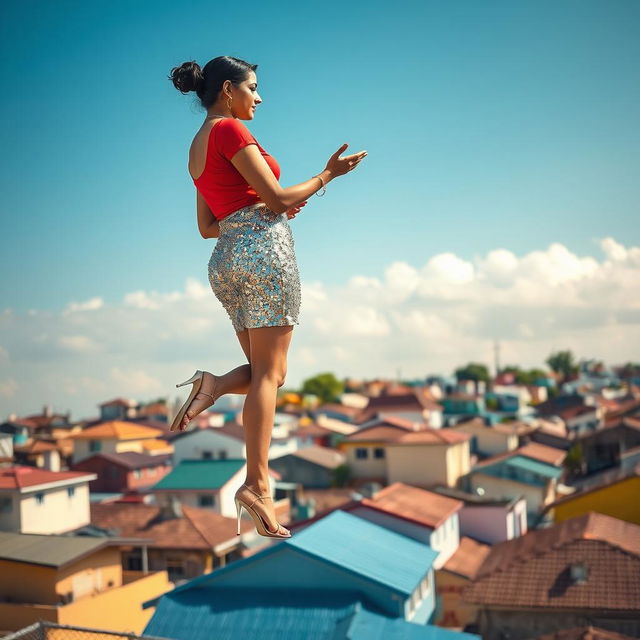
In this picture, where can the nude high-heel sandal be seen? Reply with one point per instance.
(261, 525)
(196, 379)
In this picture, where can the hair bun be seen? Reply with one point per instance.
(187, 77)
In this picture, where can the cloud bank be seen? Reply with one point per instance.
(415, 320)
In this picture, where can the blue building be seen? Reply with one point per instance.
(340, 577)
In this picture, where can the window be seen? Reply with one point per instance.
(361, 453)
(205, 500)
(6, 504)
(71, 491)
(222, 454)
(39, 498)
(207, 455)
(137, 474)
(378, 452)
(95, 445)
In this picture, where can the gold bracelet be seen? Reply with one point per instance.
(324, 189)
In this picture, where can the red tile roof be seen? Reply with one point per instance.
(386, 433)
(196, 529)
(429, 435)
(534, 570)
(414, 503)
(22, 476)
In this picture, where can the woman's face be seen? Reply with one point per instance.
(246, 97)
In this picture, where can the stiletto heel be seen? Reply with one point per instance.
(239, 511)
(196, 379)
(261, 525)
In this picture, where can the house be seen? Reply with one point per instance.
(118, 409)
(124, 472)
(514, 476)
(38, 501)
(312, 467)
(72, 580)
(452, 578)
(486, 519)
(459, 405)
(491, 439)
(309, 433)
(617, 497)
(113, 437)
(582, 571)
(580, 415)
(209, 443)
(365, 450)
(428, 457)
(183, 541)
(209, 484)
(6, 449)
(420, 514)
(37, 452)
(391, 575)
(417, 406)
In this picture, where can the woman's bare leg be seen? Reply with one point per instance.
(269, 347)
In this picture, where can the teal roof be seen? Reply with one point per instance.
(521, 465)
(366, 549)
(201, 474)
(348, 542)
(283, 614)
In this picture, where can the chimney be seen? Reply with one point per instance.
(171, 509)
(47, 411)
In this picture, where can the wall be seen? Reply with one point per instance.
(58, 513)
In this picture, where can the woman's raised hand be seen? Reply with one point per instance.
(338, 166)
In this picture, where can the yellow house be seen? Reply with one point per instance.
(115, 436)
(428, 456)
(618, 499)
(74, 580)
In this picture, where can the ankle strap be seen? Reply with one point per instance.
(256, 494)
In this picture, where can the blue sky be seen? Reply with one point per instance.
(490, 126)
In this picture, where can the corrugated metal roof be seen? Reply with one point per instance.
(283, 614)
(367, 549)
(200, 474)
(541, 468)
(48, 550)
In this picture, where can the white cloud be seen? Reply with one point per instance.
(419, 319)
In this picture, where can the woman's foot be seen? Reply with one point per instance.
(264, 508)
(202, 400)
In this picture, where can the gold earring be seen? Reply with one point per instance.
(229, 102)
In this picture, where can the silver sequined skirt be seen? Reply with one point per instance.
(253, 270)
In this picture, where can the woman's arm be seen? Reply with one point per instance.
(208, 226)
(254, 169)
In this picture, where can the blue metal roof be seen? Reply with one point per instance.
(351, 543)
(367, 549)
(282, 614)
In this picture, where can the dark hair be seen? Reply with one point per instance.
(207, 82)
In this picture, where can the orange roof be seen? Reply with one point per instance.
(117, 429)
(156, 444)
(542, 452)
(468, 558)
(414, 503)
(383, 433)
(35, 446)
(22, 477)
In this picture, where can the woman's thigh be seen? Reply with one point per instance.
(268, 350)
(243, 337)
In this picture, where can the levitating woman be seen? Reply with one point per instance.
(252, 270)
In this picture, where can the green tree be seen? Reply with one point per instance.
(324, 385)
(341, 476)
(473, 371)
(562, 363)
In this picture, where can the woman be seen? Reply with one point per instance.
(252, 270)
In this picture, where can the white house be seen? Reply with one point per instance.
(36, 500)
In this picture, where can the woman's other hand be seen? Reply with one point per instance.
(291, 213)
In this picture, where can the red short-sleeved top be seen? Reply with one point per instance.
(221, 184)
